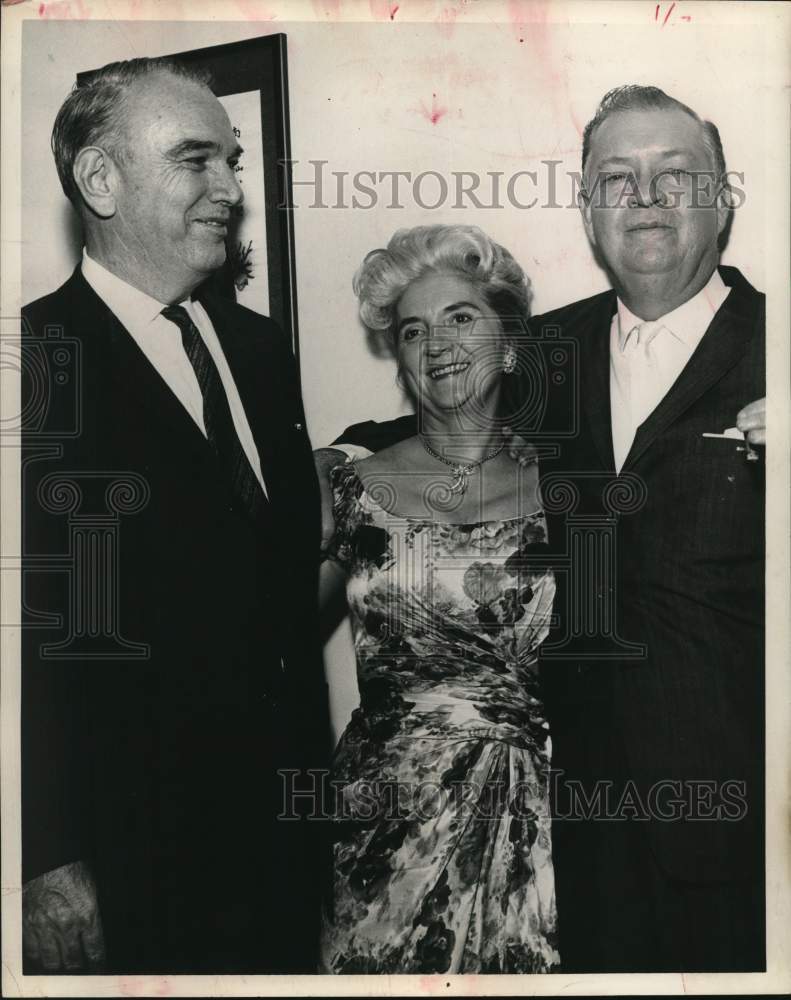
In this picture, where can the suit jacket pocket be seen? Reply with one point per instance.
(720, 496)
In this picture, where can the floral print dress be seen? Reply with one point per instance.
(442, 850)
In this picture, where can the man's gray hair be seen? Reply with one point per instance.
(633, 97)
(94, 113)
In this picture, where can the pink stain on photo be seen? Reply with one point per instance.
(518, 15)
(531, 22)
(130, 986)
(446, 21)
(64, 11)
(255, 11)
(532, 25)
(435, 112)
(327, 10)
(383, 10)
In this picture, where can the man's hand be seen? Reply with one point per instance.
(326, 459)
(751, 421)
(519, 449)
(61, 926)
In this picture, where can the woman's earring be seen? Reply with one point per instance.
(509, 360)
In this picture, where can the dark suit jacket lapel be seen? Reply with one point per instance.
(723, 343)
(594, 337)
(127, 372)
(132, 378)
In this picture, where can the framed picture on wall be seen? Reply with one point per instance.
(250, 78)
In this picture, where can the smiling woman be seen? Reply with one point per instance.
(445, 339)
(453, 872)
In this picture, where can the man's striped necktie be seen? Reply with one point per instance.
(217, 418)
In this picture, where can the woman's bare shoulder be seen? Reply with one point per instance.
(396, 458)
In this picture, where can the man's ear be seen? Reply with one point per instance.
(584, 205)
(93, 173)
(724, 207)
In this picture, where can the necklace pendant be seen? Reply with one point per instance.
(459, 484)
(460, 472)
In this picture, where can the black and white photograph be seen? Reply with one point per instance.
(395, 474)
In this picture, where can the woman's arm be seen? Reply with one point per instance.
(367, 437)
(325, 460)
(331, 581)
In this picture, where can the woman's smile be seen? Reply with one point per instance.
(447, 370)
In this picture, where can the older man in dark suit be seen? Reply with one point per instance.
(656, 702)
(187, 500)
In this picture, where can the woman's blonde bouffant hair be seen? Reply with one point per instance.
(467, 251)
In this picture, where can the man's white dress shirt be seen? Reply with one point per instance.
(160, 340)
(646, 358)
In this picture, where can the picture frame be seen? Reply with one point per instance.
(250, 78)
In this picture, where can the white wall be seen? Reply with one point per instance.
(362, 97)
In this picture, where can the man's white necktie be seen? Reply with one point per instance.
(642, 365)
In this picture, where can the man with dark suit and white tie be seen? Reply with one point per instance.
(657, 727)
(153, 733)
